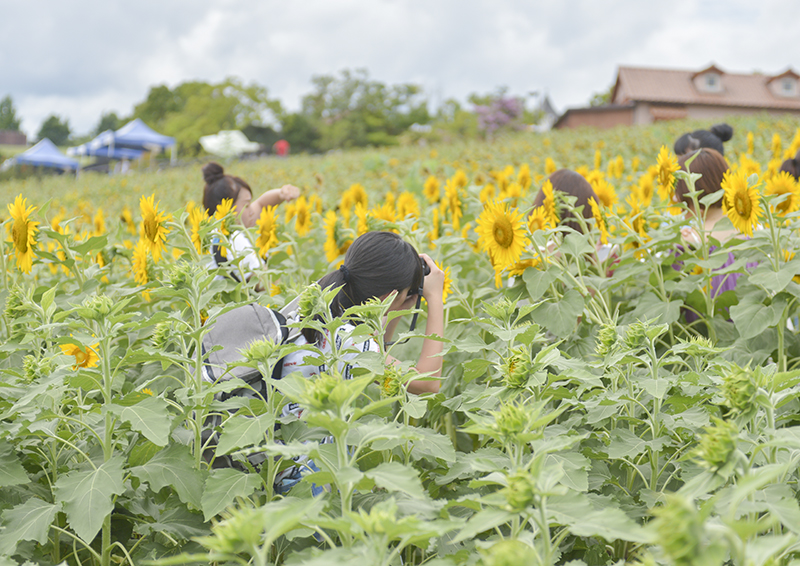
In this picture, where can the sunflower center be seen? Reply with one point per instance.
(503, 232)
(19, 233)
(150, 229)
(742, 205)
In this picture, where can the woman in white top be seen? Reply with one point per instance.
(376, 265)
(219, 187)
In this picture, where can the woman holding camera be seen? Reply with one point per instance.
(376, 265)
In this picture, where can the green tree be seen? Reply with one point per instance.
(354, 111)
(55, 129)
(195, 109)
(602, 98)
(8, 115)
(108, 121)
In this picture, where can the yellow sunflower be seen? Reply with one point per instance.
(99, 223)
(501, 233)
(84, 357)
(346, 206)
(460, 179)
(267, 230)
(431, 189)
(776, 146)
(743, 205)
(302, 219)
(358, 193)
(487, 193)
(549, 204)
(433, 235)
(448, 281)
(538, 220)
(645, 188)
(599, 220)
(519, 268)
(22, 232)
(196, 217)
(140, 264)
(605, 192)
(667, 165)
(452, 202)
(336, 243)
(127, 219)
(154, 228)
(549, 166)
(363, 224)
(407, 205)
(387, 212)
(784, 184)
(524, 177)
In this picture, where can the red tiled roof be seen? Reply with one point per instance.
(676, 87)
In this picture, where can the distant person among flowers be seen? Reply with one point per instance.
(566, 183)
(712, 138)
(226, 191)
(281, 148)
(792, 166)
(713, 167)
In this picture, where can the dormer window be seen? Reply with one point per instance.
(788, 86)
(708, 80)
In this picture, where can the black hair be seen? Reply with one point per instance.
(220, 186)
(792, 166)
(571, 183)
(711, 165)
(712, 138)
(375, 264)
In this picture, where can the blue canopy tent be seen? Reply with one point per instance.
(135, 135)
(43, 154)
(95, 148)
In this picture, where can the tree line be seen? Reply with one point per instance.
(342, 111)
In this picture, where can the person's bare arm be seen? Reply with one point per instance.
(270, 198)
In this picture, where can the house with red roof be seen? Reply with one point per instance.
(645, 95)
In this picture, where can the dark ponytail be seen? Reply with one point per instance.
(792, 166)
(219, 187)
(375, 264)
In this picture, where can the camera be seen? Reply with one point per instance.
(426, 270)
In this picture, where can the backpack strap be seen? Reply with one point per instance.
(222, 260)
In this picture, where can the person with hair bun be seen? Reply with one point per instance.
(712, 138)
(792, 166)
(376, 265)
(570, 183)
(219, 187)
(712, 166)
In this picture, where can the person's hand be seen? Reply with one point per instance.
(433, 288)
(289, 192)
(690, 236)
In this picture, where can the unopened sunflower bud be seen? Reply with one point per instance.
(161, 335)
(311, 302)
(679, 529)
(606, 339)
(517, 368)
(520, 492)
(18, 302)
(260, 350)
(717, 445)
(502, 309)
(511, 420)
(95, 307)
(509, 553)
(392, 383)
(635, 335)
(319, 391)
(739, 390)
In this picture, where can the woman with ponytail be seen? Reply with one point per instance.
(219, 187)
(376, 265)
(792, 166)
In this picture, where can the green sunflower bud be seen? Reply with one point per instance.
(182, 273)
(679, 529)
(95, 307)
(717, 445)
(606, 339)
(503, 309)
(18, 302)
(260, 350)
(739, 388)
(511, 420)
(392, 382)
(311, 302)
(318, 392)
(509, 553)
(161, 335)
(517, 368)
(635, 335)
(520, 492)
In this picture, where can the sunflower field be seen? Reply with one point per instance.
(582, 419)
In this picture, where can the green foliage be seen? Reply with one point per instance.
(55, 129)
(8, 115)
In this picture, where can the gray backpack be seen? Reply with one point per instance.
(235, 331)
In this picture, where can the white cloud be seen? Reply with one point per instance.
(77, 59)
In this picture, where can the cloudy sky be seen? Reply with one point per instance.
(80, 58)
